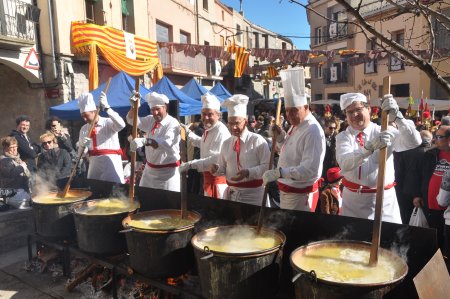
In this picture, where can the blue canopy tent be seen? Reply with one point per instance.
(188, 106)
(194, 89)
(220, 91)
(119, 92)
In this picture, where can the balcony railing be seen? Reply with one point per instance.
(18, 20)
(177, 62)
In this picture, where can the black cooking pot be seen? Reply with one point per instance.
(238, 274)
(53, 216)
(159, 252)
(98, 226)
(309, 284)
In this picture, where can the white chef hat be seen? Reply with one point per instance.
(348, 98)
(210, 101)
(86, 102)
(156, 99)
(236, 105)
(293, 80)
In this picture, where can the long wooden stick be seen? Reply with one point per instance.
(134, 135)
(271, 162)
(184, 154)
(380, 184)
(81, 151)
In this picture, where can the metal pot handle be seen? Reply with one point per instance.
(208, 252)
(297, 276)
(311, 275)
(126, 230)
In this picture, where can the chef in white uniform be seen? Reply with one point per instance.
(162, 145)
(302, 148)
(244, 156)
(210, 145)
(105, 160)
(357, 152)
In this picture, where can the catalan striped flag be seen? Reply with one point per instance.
(241, 59)
(272, 72)
(123, 51)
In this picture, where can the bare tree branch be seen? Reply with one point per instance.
(416, 60)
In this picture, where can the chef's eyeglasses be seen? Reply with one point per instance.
(47, 142)
(358, 110)
(332, 128)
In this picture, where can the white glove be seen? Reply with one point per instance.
(380, 141)
(86, 142)
(135, 97)
(104, 102)
(184, 167)
(137, 143)
(390, 106)
(186, 128)
(271, 176)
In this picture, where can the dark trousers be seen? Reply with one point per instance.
(436, 220)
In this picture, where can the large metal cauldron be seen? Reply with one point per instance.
(160, 251)
(53, 215)
(98, 226)
(314, 283)
(233, 271)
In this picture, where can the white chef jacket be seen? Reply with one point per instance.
(105, 167)
(168, 152)
(302, 154)
(301, 159)
(254, 156)
(360, 168)
(210, 144)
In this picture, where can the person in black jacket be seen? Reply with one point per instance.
(28, 150)
(54, 125)
(407, 166)
(54, 163)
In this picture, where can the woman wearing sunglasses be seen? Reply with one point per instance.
(54, 163)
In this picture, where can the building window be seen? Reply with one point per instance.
(238, 32)
(400, 90)
(185, 38)
(319, 71)
(163, 32)
(223, 15)
(283, 45)
(442, 32)
(94, 12)
(222, 40)
(266, 41)
(128, 16)
(256, 44)
(317, 97)
(318, 36)
(336, 73)
(205, 5)
(395, 63)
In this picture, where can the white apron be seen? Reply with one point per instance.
(167, 178)
(355, 204)
(106, 168)
(297, 201)
(251, 196)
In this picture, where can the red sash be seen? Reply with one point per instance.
(290, 189)
(175, 164)
(101, 152)
(353, 187)
(249, 184)
(210, 183)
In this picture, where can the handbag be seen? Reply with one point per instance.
(418, 218)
